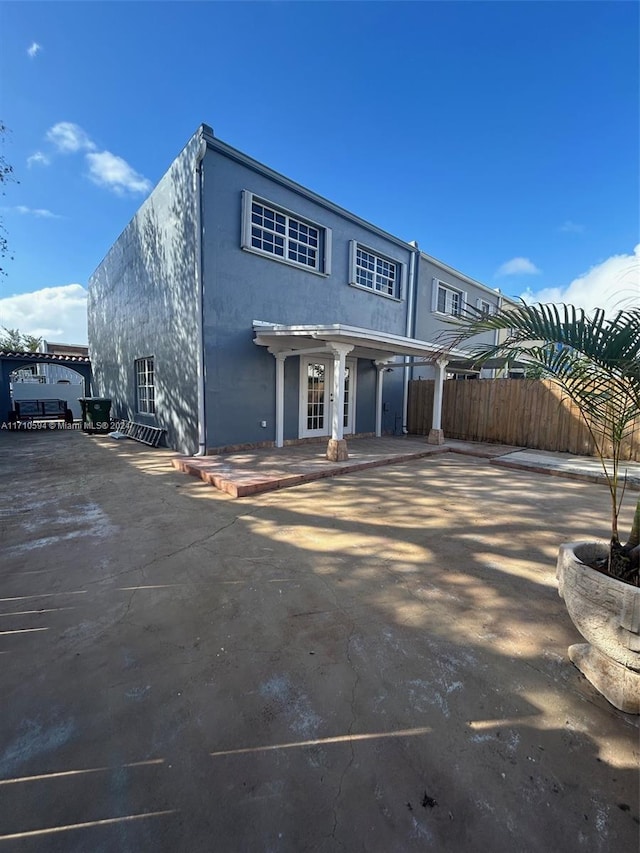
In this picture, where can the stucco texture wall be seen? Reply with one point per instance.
(240, 287)
(429, 324)
(143, 302)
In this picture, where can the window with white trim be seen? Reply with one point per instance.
(284, 236)
(376, 272)
(145, 386)
(484, 307)
(447, 300)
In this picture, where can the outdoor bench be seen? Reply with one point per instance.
(27, 411)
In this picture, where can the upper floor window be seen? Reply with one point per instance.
(376, 272)
(283, 235)
(447, 300)
(145, 386)
(484, 307)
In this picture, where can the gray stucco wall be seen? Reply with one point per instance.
(143, 302)
(429, 324)
(240, 287)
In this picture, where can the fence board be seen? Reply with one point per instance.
(523, 412)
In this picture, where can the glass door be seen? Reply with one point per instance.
(348, 421)
(316, 384)
(316, 392)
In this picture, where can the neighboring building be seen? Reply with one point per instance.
(44, 376)
(52, 379)
(63, 349)
(239, 308)
(443, 292)
(52, 372)
(49, 372)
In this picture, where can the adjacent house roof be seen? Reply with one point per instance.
(43, 356)
(64, 349)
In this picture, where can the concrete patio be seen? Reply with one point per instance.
(251, 472)
(373, 662)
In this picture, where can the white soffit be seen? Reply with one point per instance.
(368, 342)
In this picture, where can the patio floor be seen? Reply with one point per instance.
(376, 663)
(251, 472)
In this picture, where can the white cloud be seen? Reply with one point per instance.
(40, 212)
(518, 266)
(69, 137)
(34, 49)
(569, 227)
(105, 169)
(611, 284)
(108, 170)
(38, 157)
(54, 313)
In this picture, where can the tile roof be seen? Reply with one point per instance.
(43, 356)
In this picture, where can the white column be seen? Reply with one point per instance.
(337, 447)
(380, 367)
(436, 436)
(279, 357)
(337, 410)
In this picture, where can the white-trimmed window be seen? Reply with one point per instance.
(376, 272)
(145, 386)
(484, 307)
(447, 299)
(284, 236)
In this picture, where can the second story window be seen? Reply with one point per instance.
(284, 236)
(446, 299)
(274, 231)
(376, 272)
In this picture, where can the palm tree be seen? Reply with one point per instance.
(596, 361)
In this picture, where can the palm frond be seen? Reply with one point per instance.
(613, 344)
(595, 361)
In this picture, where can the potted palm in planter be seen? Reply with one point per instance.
(596, 362)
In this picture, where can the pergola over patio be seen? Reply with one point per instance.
(337, 341)
(10, 361)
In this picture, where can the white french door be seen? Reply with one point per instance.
(349, 422)
(316, 382)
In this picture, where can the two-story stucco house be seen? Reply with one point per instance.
(239, 308)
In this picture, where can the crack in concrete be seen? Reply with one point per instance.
(144, 566)
(195, 542)
(349, 763)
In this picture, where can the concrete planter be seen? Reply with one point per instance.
(606, 611)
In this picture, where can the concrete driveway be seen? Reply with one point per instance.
(372, 663)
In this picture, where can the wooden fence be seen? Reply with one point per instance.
(522, 412)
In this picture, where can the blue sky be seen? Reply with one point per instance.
(503, 137)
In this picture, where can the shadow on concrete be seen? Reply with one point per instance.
(533, 413)
(373, 663)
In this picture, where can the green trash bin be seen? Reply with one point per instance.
(96, 414)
